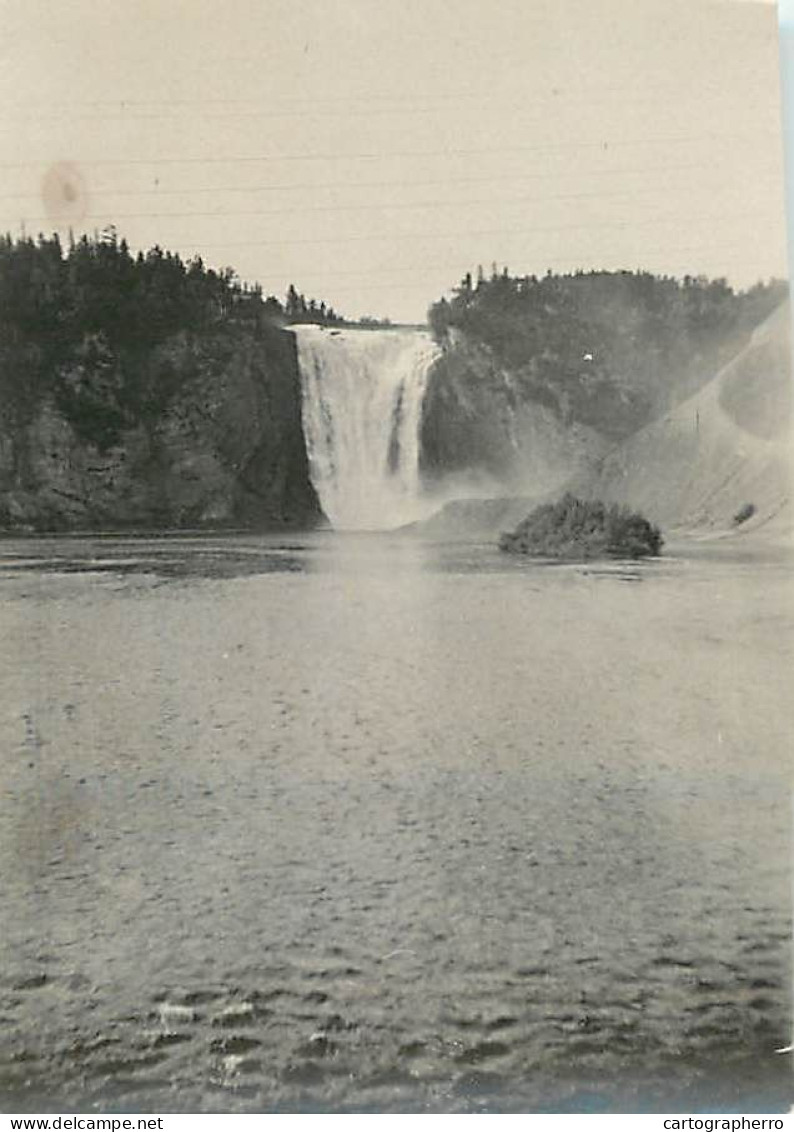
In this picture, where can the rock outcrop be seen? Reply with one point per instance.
(479, 427)
(224, 448)
(721, 460)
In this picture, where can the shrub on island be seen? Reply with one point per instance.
(576, 528)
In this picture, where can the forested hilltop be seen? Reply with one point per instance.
(96, 306)
(610, 350)
(144, 390)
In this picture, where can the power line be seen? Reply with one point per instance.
(550, 262)
(546, 147)
(368, 97)
(286, 241)
(398, 110)
(297, 186)
(446, 202)
(619, 225)
(466, 265)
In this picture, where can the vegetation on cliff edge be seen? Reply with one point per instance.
(111, 336)
(607, 349)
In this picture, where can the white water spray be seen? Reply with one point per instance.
(362, 405)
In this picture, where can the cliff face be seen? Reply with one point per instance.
(220, 442)
(479, 423)
(721, 460)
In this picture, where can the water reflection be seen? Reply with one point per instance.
(229, 556)
(166, 558)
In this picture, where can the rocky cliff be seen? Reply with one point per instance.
(143, 391)
(722, 460)
(540, 377)
(222, 447)
(480, 427)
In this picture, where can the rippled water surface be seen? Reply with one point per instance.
(360, 824)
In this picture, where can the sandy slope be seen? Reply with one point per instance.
(729, 445)
(466, 519)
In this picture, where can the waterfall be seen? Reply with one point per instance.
(362, 404)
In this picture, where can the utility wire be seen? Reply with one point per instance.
(286, 241)
(368, 97)
(519, 104)
(367, 155)
(552, 262)
(380, 206)
(315, 186)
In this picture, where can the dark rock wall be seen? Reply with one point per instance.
(225, 448)
(478, 420)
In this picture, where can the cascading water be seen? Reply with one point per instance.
(362, 404)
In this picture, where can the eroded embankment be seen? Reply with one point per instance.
(721, 460)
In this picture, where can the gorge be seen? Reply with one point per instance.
(299, 821)
(143, 392)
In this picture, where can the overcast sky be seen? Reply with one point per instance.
(371, 151)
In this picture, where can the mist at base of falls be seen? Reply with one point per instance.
(362, 406)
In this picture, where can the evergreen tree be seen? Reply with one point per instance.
(292, 306)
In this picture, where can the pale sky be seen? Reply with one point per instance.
(371, 151)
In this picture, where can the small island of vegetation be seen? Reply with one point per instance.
(574, 528)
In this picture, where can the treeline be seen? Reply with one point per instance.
(98, 284)
(298, 309)
(109, 334)
(611, 349)
(112, 335)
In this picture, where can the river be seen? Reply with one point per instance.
(358, 823)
